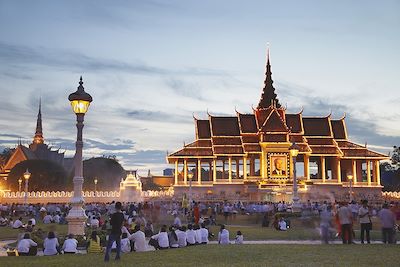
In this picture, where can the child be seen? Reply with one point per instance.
(239, 238)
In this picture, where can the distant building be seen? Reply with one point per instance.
(246, 156)
(36, 150)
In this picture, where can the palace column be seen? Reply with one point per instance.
(176, 172)
(244, 167)
(185, 171)
(378, 174)
(339, 171)
(368, 173)
(210, 174)
(230, 169)
(237, 168)
(198, 171)
(354, 167)
(223, 169)
(307, 166)
(323, 173)
(214, 171)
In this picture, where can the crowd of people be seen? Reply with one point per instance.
(127, 227)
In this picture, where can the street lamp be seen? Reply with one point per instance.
(190, 176)
(350, 178)
(19, 184)
(95, 186)
(294, 151)
(80, 101)
(27, 175)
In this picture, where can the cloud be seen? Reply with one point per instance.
(17, 56)
(147, 115)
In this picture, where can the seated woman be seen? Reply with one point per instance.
(70, 245)
(94, 243)
(125, 243)
(239, 238)
(282, 225)
(51, 245)
(161, 238)
(24, 246)
(173, 239)
(223, 236)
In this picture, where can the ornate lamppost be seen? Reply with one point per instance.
(95, 186)
(190, 176)
(27, 175)
(19, 184)
(80, 101)
(294, 151)
(350, 178)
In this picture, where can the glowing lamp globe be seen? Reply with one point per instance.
(27, 175)
(350, 177)
(80, 100)
(294, 150)
(190, 175)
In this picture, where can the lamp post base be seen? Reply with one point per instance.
(76, 220)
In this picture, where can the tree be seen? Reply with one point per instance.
(45, 176)
(396, 157)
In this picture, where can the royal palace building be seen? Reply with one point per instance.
(247, 157)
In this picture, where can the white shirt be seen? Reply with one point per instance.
(363, 214)
(50, 246)
(190, 236)
(177, 222)
(70, 245)
(17, 224)
(24, 245)
(47, 219)
(140, 241)
(204, 235)
(198, 236)
(33, 220)
(223, 237)
(56, 218)
(344, 214)
(282, 225)
(125, 245)
(181, 238)
(94, 222)
(162, 239)
(239, 239)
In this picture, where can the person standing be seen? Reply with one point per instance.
(365, 221)
(326, 223)
(345, 219)
(116, 222)
(388, 222)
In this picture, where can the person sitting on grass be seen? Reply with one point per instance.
(172, 238)
(70, 245)
(125, 243)
(25, 244)
(18, 223)
(161, 238)
(48, 219)
(139, 239)
(239, 238)
(94, 243)
(182, 237)
(223, 236)
(204, 234)
(190, 235)
(51, 245)
(282, 224)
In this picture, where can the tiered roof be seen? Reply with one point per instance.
(242, 134)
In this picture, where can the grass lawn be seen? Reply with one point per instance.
(250, 226)
(232, 255)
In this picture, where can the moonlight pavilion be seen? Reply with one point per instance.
(247, 156)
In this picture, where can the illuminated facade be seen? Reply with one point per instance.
(246, 156)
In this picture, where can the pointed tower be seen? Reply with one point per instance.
(38, 139)
(268, 96)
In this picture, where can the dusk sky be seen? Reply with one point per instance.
(151, 65)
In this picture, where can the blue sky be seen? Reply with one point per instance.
(151, 65)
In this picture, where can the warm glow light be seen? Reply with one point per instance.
(294, 150)
(95, 181)
(350, 177)
(80, 106)
(27, 175)
(19, 180)
(190, 175)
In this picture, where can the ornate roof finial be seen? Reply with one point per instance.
(268, 92)
(38, 138)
